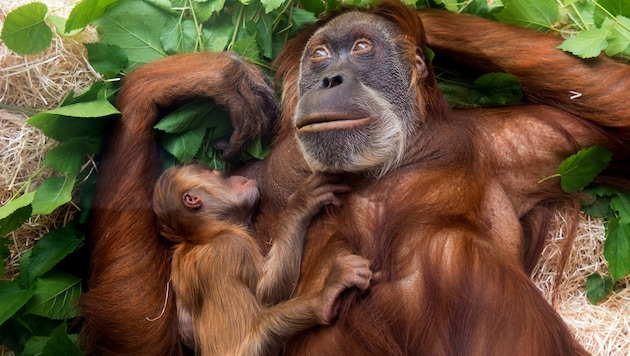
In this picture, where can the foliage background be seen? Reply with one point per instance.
(39, 288)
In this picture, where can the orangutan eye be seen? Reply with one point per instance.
(361, 46)
(320, 53)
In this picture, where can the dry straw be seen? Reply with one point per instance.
(41, 81)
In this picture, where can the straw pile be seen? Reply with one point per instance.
(41, 81)
(31, 84)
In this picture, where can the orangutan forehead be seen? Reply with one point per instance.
(359, 21)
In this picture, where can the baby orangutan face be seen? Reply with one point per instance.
(207, 191)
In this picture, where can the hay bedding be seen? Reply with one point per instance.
(41, 81)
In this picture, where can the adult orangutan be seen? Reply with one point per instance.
(445, 204)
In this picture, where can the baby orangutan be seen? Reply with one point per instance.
(231, 300)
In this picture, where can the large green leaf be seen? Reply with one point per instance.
(217, 32)
(136, 27)
(179, 36)
(248, 48)
(35, 346)
(271, 5)
(107, 59)
(205, 9)
(15, 220)
(52, 193)
(15, 204)
(12, 298)
(617, 247)
(535, 14)
(618, 36)
(610, 7)
(188, 117)
(581, 168)
(87, 11)
(587, 44)
(55, 296)
(24, 30)
(60, 344)
(68, 156)
(184, 146)
(90, 118)
(47, 252)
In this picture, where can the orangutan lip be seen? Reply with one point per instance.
(323, 122)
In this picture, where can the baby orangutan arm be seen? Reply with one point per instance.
(277, 323)
(282, 264)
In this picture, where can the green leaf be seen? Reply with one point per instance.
(587, 44)
(60, 344)
(314, 6)
(53, 193)
(187, 117)
(35, 346)
(97, 108)
(107, 59)
(55, 296)
(535, 14)
(4, 252)
(15, 220)
(94, 92)
(257, 150)
(498, 88)
(183, 146)
(612, 7)
(12, 298)
(619, 35)
(621, 205)
(76, 120)
(136, 27)
(167, 5)
(68, 156)
(271, 5)
(47, 252)
(617, 247)
(581, 168)
(24, 30)
(179, 36)
(457, 95)
(598, 288)
(60, 25)
(218, 32)
(222, 126)
(205, 9)
(87, 11)
(87, 191)
(301, 18)
(15, 204)
(213, 160)
(264, 32)
(247, 48)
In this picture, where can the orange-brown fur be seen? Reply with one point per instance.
(449, 233)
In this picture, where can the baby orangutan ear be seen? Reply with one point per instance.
(192, 200)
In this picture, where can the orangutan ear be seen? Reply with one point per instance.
(421, 65)
(192, 200)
